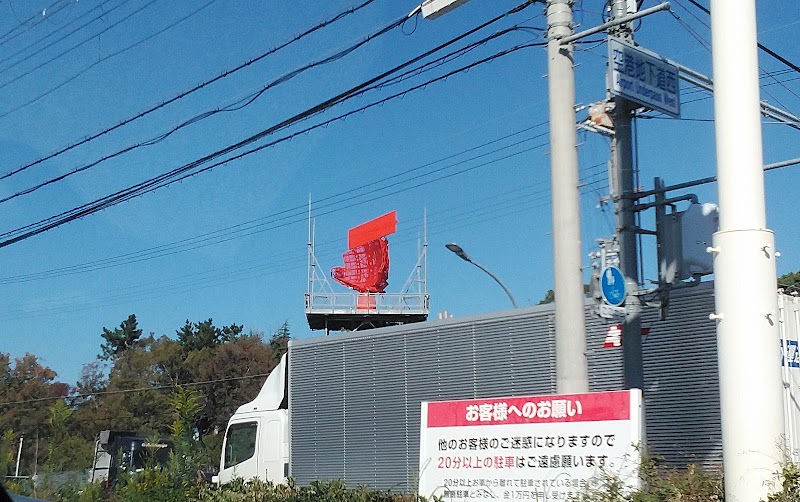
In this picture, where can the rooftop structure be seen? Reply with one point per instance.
(365, 272)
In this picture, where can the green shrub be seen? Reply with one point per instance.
(790, 485)
(329, 491)
(660, 484)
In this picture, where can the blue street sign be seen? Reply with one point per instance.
(791, 354)
(612, 286)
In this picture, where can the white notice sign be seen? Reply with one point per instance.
(537, 448)
(643, 77)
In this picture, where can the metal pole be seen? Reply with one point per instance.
(19, 455)
(510, 296)
(623, 179)
(616, 22)
(744, 265)
(459, 251)
(571, 365)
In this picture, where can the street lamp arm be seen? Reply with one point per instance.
(510, 296)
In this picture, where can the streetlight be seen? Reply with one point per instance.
(455, 248)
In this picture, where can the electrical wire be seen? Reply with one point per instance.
(761, 46)
(589, 174)
(103, 59)
(36, 42)
(189, 91)
(248, 100)
(139, 389)
(707, 45)
(43, 13)
(240, 104)
(193, 168)
(448, 224)
(242, 229)
(79, 44)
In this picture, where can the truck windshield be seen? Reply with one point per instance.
(240, 443)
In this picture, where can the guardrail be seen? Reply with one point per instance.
(367, 303)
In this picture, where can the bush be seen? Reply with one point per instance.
(790, 485)
(660, 484)
(330, 491)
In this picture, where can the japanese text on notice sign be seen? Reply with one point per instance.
(533, 448)
(644, 78)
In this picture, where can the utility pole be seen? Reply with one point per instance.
(19, 456)
(571, 365)
(623, 185)
(744, 265)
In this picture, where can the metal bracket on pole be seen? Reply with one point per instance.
(615, 22)
(704, 82)
(666, 202)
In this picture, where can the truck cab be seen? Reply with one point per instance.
(256, 441)
(116, 452)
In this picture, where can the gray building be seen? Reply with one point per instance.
(354, 398)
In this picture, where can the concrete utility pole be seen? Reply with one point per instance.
(623, 182)
(19, 456)
(571, 366)
(744, 265)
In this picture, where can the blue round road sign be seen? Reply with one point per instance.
(612, 286)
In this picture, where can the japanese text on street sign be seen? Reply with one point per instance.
(643, 77)
(528, 448)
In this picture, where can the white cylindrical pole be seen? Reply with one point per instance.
(783, 321)
(744, 265)
(19, 456)
(571, 364)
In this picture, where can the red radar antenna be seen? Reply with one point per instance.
(366, 263)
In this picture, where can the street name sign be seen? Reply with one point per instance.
(643, 77)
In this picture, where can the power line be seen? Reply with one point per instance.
(760, 45)
(193, 168)
(469, 218)
(707, 46)
(104, 59)
(29, 19)
(130, 391)
(246, 101)
(181, 173)
(20, 51)
(67, 51)
(240, 228)
(189, 91)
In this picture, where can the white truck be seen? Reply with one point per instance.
(257, 438)
(347, 406)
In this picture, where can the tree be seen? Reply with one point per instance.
(144, 410)
(121, 339)
(234, 364)
(230, 365)
(203, 335)
(26, 387)
(550, 296)
(65, 451)
(7, 441)
(790, 281)
(279, 342)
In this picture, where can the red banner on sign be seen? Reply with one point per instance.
(597, 406)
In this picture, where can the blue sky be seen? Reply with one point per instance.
(496, 205)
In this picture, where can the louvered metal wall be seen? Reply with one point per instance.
(354, 399)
